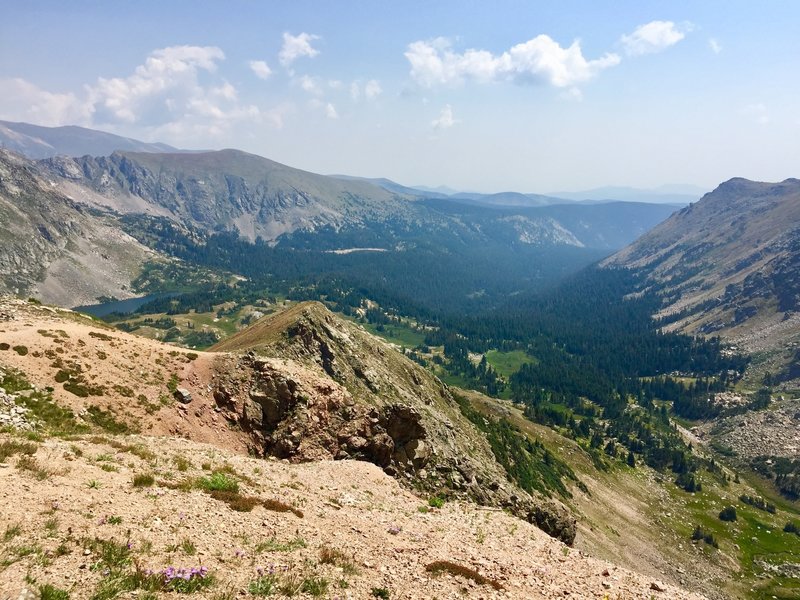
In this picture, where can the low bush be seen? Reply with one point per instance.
(445, 566)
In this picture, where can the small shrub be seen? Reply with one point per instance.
(792, 527)
(707, 537)
(188, 547)
(49, 592)
(332, 556)
(105, 419)
(235, 500)
(265, 585)
(380, 593)
(100, 336)
(5, 346)
(10, 448)
(30, 464)
(123, 391)
(143, 480)
(315, 585)
(278, 506)
(21, 350)
(728, 514)
(219, 482)
(436, 502)
(273, 545)
(182, 463)
(12, 531)
(446, 566)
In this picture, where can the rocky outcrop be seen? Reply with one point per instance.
(366, 402)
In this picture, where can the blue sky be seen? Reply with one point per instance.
(485, 96)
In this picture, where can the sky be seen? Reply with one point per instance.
(479, 96)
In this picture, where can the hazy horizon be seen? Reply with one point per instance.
(466, 95)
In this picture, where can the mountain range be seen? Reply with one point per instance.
(209, 194)
(36, 141)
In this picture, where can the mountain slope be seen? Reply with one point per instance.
(56, 249)
(228, 189)
(729, 264)
(347, 527)
(402, 417)
(35, 141)
(320, 389)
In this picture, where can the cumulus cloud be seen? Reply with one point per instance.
(310, 85)
(260, 68)
(651, 37)
(539, 60)
(330, 111)
(372, 89)
(715, 46)
(445, 120)
(297, 46)
(164, 96)
(167, 80)
(24, 101)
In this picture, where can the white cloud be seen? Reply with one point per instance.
(715, 46)
(355, 90)
(330, 111)
(260, 68)
(310, 85)
(372, 89)
(651, 37)
(165, 96)
(445, 120)
(296, 46)
(540, 59)
(24, 101)
(168, 78)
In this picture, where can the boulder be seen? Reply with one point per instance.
(183, 395)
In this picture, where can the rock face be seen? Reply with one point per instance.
(368, 403)
(55, 248)
(228, 189)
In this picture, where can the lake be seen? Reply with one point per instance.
(121, 306)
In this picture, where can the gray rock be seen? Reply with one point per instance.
(183, 395)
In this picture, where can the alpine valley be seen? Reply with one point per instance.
(333, 386)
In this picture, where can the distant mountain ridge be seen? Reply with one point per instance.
(666, 194)
(211, 196)
(36, 142)
(227, 189)
(728, 264)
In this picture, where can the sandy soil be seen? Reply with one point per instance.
(382, 539)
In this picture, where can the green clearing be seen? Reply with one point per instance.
(398, 333)
(508, 363)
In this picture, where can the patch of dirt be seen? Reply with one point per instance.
(360, 532)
